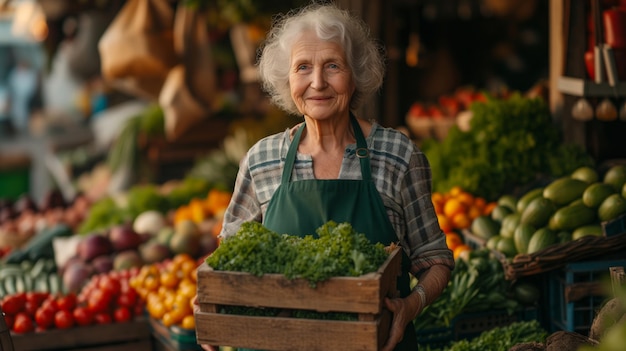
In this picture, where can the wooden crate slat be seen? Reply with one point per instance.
(284, 334)
(85, 337)
(274, 290)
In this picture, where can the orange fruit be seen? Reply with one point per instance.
(480, 202)
(460, 249)
(453, 240)
(189, 323)
(453, 206)
(444, 223)
(169, 279)
(489, 207)
(455, 191)
(461, 220)
(474, 211)
(465, 198)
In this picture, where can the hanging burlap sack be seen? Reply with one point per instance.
(190, 87)
(137, 49)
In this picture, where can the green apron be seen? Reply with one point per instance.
(300, 207)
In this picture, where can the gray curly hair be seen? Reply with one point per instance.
(364, 54)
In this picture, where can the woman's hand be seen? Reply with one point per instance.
(196, 308)
(404, 312)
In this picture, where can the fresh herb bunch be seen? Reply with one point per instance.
(337, 250)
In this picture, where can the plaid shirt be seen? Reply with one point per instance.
(399, 169)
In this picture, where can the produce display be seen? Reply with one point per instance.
(565, 209)
(477, 284)
(504, 338)
(504, 187)
(168, 288)
(105, 299)
(510, 143)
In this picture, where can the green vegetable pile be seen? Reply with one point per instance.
(337, 250)
(503, 338)
(511, 142)
(110, 211)
(475, 285)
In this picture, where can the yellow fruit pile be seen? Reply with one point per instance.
(168, 288)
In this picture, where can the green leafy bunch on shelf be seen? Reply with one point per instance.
(511, 142)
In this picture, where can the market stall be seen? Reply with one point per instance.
(110, 211)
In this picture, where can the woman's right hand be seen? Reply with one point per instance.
(196, 308)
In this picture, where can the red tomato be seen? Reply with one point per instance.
(82, 315)
(36, 297)
(44, 317)
(13, 304)
(102, 318)
(30, 307)
(98, 301)
(23, 323)
(51, 302)
(122, 314)
(127, 298)
(67, 302)
(109, 284)
(63, 319)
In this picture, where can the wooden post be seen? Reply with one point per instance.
(618, 279)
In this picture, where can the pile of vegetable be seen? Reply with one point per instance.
(509, 144)
(503, 338)
(477, 284)
(114, 210)
(336, 250)
(565, 209)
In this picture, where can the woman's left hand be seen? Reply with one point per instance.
(404, 311)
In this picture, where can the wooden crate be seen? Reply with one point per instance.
(362, 295)
(128, 336)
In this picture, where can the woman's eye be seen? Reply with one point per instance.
(333, 66)
(302, 67)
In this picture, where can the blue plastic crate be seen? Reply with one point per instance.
(577, 315)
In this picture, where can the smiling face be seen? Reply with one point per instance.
(319, 78)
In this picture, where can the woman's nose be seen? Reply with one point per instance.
(318, 80)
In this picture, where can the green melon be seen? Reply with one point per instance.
(522, 235)
(509, 223)
(506, 246)
(500, 211)
(586, 174)
(541, 239)
(616, 176)
(596, 193)
(612, 207)
(508, 200)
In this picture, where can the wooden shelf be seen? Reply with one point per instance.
(587, 88)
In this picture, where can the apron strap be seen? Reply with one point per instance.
(361, 152)
(361, 149)
(291, 155)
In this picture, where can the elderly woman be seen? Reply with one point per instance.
(320, 63)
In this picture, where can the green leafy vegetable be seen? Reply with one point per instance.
(337, 250)
(503, 338)
(511, 142)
